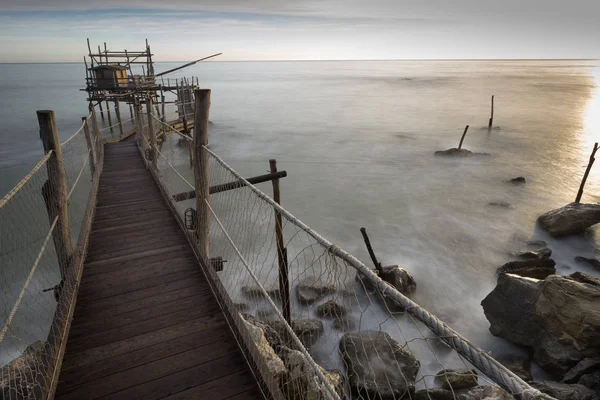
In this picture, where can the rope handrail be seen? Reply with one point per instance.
(76, 133)
(173, 129)
(108, 127)
(174, 169)
(297, 342)
(85, 161)
(477, 356)
(27, 281)
(23, 181)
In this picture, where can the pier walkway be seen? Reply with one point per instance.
(146, 324)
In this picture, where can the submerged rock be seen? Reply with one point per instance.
(571, 219)
(584, 278)
(536, 243)
(377, 366)
(331, 309)
(256, 292)
(592, 262)
(519, 365)
(562, 391)
(455, 152)
(307, 330)
(535, 268)
(557, 317)
(491, 392)
(518, 180)
(457, 379)
(344, 324)
(399, 278)
(310, 291)
(501, 204)
(434, 394)
(535, 254)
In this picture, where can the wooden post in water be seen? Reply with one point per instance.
(108, 114)
(284, 283)
(118, 112)
(96, 134)
(90, 143)
(131, 113)
(492, 115)
(201, 173)
(377, 264)
(587, 172)
(463, 137)
(55, 191)
(101, 111)
(151, 133)
(162, 95)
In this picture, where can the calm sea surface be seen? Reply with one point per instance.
(357, 140)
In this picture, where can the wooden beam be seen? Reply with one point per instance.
(231, 185)
(151, 133)
(201, 173)
(118, 112)
(55, 191)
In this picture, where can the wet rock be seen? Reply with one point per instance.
(275, 337)
(21, 378)
(265, 313)
(520, 365)
(592, 262)
(456, 379)
(592, 381)
(274, 364)
(399, 278)
(331, 309)
(501, 204)
(377, 366)
(535, 268)
(536, 243)
(572, 219)
(310, 291)
(518, 180)
(344, 324)
(455, 152)
(544, 252)
(491, 392)
(562, 391)
(434, 394)
(255, 292)
(557, 317)
(584, 367)
(584, 278)
(302, 381)
(307, 330)
(241, 306)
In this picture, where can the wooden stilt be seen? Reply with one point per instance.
(377, 264)
(587, 172)
(109, 118)
(151, 133)
(90, 143)
(118, 112)
(463, 137)
(492, 115)
(201, 173)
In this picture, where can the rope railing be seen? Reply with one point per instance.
(23, 181)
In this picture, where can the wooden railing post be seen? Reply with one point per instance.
(55, 190)
(109, 118)
(90, 144)
(118, 112)
(96, 134)
(284, 283)
(201, 173)
(152, 134)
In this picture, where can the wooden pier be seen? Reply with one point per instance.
(146, 323)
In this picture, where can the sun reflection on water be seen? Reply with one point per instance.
(591, 126)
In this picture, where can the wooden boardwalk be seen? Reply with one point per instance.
(146, 324)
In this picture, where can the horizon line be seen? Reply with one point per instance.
(337, 60)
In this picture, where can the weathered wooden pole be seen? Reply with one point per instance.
(118, 112)
(90, 143)
(101, 111)
(587, 172)
(201, 173)
(131, 112)
(492, 115)
(55, 191)
(463, 137)
(151, 133)
(162, 95)
(108, 114)
(284, 283)
(96, 134)
(377, 264)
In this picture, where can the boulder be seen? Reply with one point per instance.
(256, 292)
(592, 262)
(399, 278)
(592, 381)
(583, 367)
(303, 382)
(21, 378)
(582, 277)
(378, 366)
(571, 219)
(543, 252)
(310, 291)
(491, 392)
(455, 152)
(563, 391)
(518, 180)
(535, 268)
(434, 394)
(331, 309)
(519, 365)
(307, 330)
(451, 379)
(241, 306)
(344, 324)
(557, 317)
(274, 364)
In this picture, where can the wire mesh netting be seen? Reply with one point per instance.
(37, 289)
(353, 333)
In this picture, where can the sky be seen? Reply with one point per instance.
(181, 30)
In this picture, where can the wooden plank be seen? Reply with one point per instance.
(110, 253)
(143, 356)
(221, 388)
(146, 261)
